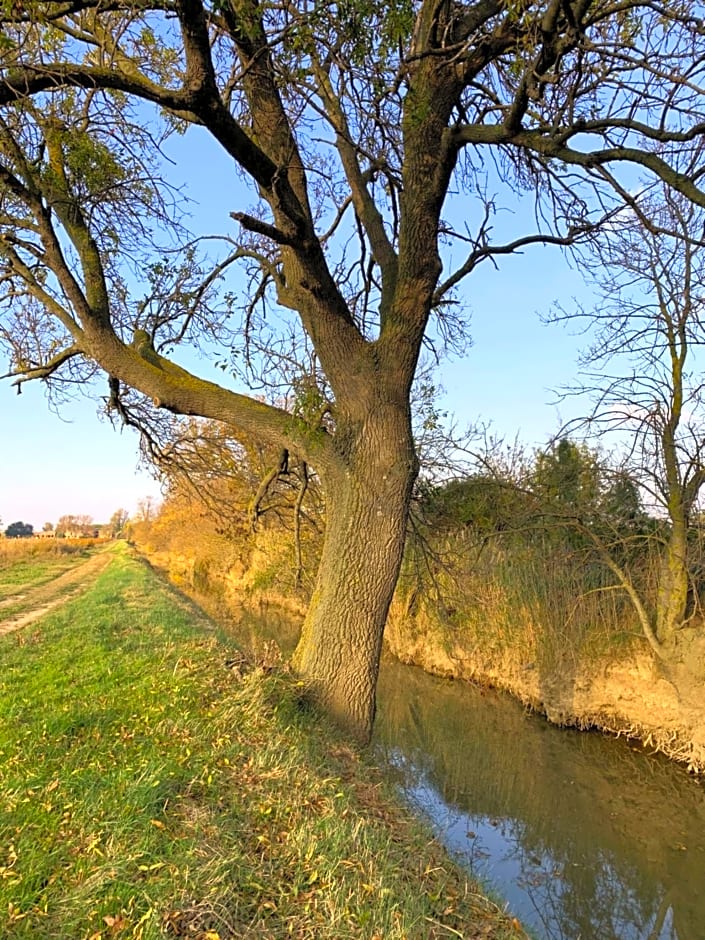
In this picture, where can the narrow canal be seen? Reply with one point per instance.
(585, 836)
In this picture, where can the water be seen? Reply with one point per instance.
(586, 837)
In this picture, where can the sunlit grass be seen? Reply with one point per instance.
(149, 790)
(32, 562)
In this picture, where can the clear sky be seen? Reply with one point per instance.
(516, 363)
(75, 462)
(72, 464)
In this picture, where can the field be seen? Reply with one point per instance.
(155, 785)
(25, 562)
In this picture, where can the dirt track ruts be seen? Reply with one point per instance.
(40, 600)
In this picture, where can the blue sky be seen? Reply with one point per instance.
(516, 362)
(51, 465)
(76, 462)
(55, 465)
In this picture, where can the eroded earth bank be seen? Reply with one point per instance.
(636, 695)
(573, 684)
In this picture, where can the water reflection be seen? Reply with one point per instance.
(586, 838)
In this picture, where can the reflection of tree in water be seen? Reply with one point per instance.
(574, 902)
(597, 829)
(610, 843)
(563, 899)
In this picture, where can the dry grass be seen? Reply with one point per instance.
(14, 550)
(26, 563)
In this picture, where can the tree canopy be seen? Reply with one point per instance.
(19, 530)
(351, 123)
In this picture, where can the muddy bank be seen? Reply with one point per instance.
(631, 696)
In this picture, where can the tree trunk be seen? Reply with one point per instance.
(672, 597)
(367, 503)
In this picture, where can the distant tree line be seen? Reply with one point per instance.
(75, 526)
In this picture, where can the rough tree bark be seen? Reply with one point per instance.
(367, 489)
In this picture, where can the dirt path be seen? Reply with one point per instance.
(40, 600)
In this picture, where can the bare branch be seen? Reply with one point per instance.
(43, 371)
(263, 228)
(490, 251)
(255, 507)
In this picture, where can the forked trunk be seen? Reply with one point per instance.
(367, 505)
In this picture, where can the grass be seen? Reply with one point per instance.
(150, 790)
(33, 562)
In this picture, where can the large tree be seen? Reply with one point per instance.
(351, 123)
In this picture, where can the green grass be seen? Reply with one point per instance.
(147, 790)
(32, 570)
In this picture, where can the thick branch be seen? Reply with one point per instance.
(179, 391)
(53, 252)
(272, 123)
(382, 249)
(37, 290)
(597, 158)
(552, 147)
(187, 104)
(263, 228)
(20, 83)
(69, 212)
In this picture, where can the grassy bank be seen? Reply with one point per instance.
(150, 790)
